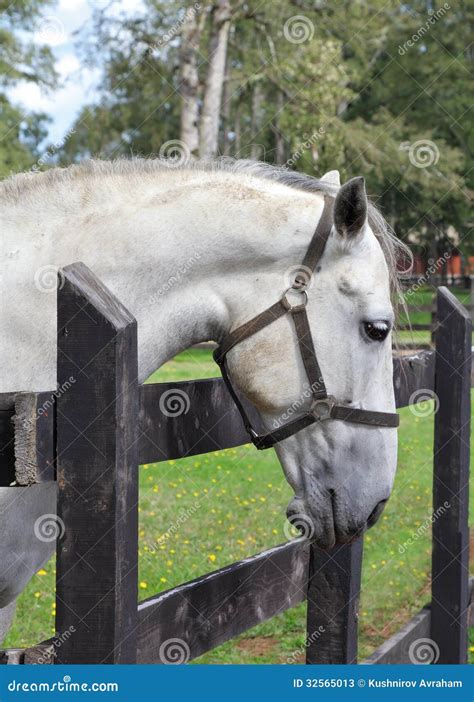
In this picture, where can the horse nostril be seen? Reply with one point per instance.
(376, 512)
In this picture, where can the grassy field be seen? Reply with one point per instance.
(231, 504)
(418, 298)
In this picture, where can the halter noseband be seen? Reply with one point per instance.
(324, 406)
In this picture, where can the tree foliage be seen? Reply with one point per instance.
(23, 59)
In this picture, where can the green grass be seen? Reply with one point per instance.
(423, 296)
(227, 505)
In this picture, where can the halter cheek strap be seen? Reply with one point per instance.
(324, 406)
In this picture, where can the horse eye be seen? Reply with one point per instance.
(377, 331)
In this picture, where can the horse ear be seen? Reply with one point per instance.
(332, 177)
(350, 208)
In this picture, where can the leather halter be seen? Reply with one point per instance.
(324, 406)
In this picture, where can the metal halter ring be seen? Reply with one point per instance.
(321, 409)
(294, 308)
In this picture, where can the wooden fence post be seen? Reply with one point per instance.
(97, 472)
(450, 557)
(333, 603)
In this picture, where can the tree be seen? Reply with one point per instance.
(21, 59)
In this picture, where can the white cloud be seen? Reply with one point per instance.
(67, 64)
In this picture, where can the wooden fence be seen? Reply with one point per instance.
(430, 313)
(91, 442)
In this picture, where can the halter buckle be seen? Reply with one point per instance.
(321, 409)
(295, 291)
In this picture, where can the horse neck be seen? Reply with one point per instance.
(191, 256)
(212, 273)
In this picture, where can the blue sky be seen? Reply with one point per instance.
(77, 84)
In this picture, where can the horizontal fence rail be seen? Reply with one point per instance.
(182, 419)
(216, 607)
(176, 419)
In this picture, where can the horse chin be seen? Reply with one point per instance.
(318, 529)
(321, 529)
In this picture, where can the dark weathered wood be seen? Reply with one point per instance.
(396, 649)
(42, 654)
(412, 373)
(210, 419)
(220, 605)
(333, 603)
(34, 423)
(187, 418)
(97, 466)
(7, 447)
(450, 555)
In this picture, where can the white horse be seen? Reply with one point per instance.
(193, 251)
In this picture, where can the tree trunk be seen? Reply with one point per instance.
(189, 81)
(257, 99)
(279, 140)
(209, 132)
(226, 105)
(237, 130)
